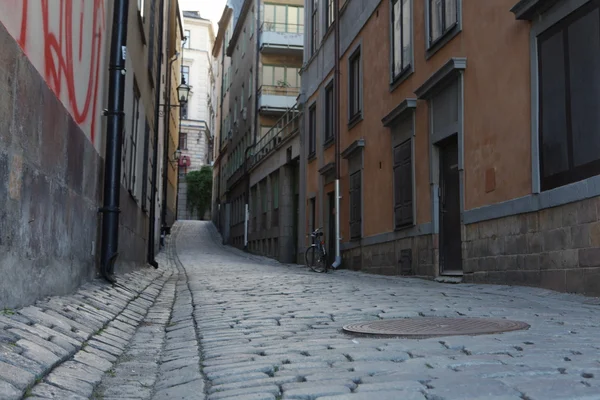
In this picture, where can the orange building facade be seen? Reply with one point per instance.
(461, 155)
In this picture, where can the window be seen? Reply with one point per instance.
(442, 17)
(275, 189)
(329, 14)
(314, 26)
(355, 205)
(569, 97)
(281, 76)
(401, 37)
(263, 195)
(355, 86)
(264, 130)
(187, 36)
(185, 74)
(329, 113)
(283, 18)
(312, 130)
(403, 209)
(135, 117)
(183, 140)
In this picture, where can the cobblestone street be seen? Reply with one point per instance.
(217, 323)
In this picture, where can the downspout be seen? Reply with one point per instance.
(167, 113)
(114, 127)
(151, 259)
(336, 122)
(255, 115)
(220, 136)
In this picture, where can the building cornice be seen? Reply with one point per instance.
(446, 73)
(527, 9)
(402, 109)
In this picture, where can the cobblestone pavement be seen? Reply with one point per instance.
(216, 323)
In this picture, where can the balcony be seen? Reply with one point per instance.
(287, 126)
(277, 98)
(281, 38)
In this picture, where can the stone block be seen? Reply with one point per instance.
(509, 226)
(506, 263)
(569, 214)
(586, 211)
(28, 109)
(554, 280)
(557, 239)
(594, 229)
(487, 229)
(533, 222)
(471, 265)
(530, 278)
(16, 376)
(575, 281)
(550, 218)
(563, 259)
(580, 236)
(535, 242)
(591, 279)
(496, 245)
(8, 391)
(515, 244)
(589, 257)
(531, 262)
(487, 264)
(478, 248)
(472, 232)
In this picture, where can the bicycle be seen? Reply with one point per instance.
(316, 255)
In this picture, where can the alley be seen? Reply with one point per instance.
(217, 323)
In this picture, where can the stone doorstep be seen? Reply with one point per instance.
(35, 380)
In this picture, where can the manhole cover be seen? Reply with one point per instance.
(435, 326)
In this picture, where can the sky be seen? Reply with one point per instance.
(210, 9)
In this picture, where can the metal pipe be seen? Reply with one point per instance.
(336, 124)
(112, 167)
(152, 228)
(167, 114)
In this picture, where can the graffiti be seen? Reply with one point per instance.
(64, 39)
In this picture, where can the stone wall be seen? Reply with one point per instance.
(408, 256)
(555, 248)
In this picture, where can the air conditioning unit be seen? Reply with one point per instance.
(244, 113)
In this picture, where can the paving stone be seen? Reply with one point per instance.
(39, 354)
(382, 395)
(314, 392)
(105, 347)
(388, 386)
(127, 390)
(100, 353)
(13, 358)
(471, 388)
(67, 382)
(178, 377)
(180, 345)
(253, 396)
(46, 391)
(266, 368)
(189, 390)
(180, 363)
(8, 391)
(179, 353)
(92, 360)
(274, 390)
(277, 380)
(56, 349)
(239, 378)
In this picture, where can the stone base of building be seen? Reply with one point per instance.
(556, 248)
(412, 256)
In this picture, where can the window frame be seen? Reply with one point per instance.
(355, 93)
(185, 73)
(574, 173)
(188, 34)
(329, 14)
(329, 122)
(432, 46)
(314, 27)
(133, 140)
(395, 166)
(405, 72)
(183, 141)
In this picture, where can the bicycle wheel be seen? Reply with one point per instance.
(314, 260)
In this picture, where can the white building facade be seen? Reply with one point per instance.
(198, 117)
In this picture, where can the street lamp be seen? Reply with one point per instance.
(183, 92)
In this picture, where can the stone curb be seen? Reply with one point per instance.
(61, 346)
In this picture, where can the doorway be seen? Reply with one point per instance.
(450, 232)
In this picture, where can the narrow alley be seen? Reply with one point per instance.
(217, 323)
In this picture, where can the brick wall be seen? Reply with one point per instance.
(556, 248)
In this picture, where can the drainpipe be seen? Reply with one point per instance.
(112, 168)
(256, 125)
(336, 122)
(167, 113)
(220, 136)
(151, 259)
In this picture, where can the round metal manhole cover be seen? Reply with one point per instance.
(424, 327)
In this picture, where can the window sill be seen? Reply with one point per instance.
(328, 32)
(312, 157)
(328, 143)
(352, 122)
(443, 40)
(344, 8)
(401, 78)
(404, 227)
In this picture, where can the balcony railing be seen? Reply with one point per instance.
(286, 126)
(281, 27)
(279, 90)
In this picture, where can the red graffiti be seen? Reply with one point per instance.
(59, 44)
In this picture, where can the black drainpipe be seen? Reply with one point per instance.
(167, 113)
(220, 137)
(112, 167)
(151, 238)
